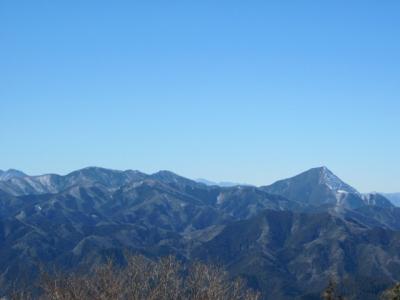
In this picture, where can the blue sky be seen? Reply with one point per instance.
(247, 91)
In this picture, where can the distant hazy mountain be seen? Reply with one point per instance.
(394, 198)
(287, 238)
(221, 183)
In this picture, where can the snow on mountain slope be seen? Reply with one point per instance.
(11, 173)
(321, 187)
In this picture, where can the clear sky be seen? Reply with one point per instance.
(246, 91)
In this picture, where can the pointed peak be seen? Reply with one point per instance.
(323, 173)
(320, 170)
(325, 169)
(333, 182)
(320, 176)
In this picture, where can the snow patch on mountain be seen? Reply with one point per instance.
(220, 198)
(334, 183)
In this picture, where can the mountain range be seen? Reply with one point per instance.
(287, 239)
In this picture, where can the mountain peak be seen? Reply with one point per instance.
(317, 186)
(166, 175)
(322, 171)
(324, 176)
(93, 169)
(11, 173)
